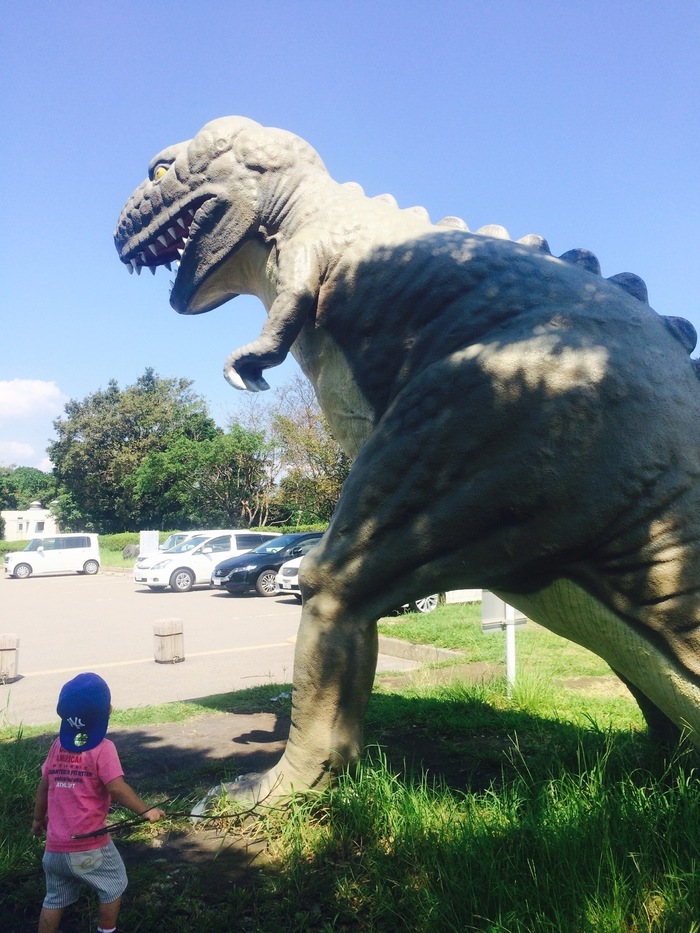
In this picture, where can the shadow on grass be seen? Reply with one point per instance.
(460, 738)
(462, 742)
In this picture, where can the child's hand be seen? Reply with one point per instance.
(154, 814)
(39, 827)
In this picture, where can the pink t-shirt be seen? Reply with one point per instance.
(78, 798)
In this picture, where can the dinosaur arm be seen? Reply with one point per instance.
(243, 369)
(292, 305)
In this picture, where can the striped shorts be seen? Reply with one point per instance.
(101, 869)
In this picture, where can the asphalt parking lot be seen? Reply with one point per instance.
(69, 623)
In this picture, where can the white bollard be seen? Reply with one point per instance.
(169, 641)
(9, 658)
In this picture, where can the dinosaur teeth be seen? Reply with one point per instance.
(163, 240)
(182, 223)
(168, 266)
(153, 249)
(153, 269)
(173, 234)
(137, 268)
(130, 267)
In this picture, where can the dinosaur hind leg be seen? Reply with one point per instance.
(662, 730)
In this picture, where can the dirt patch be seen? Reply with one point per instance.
(597, 686)
(231, 743)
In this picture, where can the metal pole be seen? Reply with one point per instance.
(510, 655)
(510, 647)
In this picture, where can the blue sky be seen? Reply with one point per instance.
(577, 121)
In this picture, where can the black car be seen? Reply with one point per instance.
(258, 568)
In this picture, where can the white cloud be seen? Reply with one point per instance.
(15, 452)
(29, 398)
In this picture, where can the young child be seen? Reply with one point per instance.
(79, 778)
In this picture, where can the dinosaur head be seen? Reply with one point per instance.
(204, 200)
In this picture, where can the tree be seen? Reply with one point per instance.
(308, 463)
(221, 481)
(103, 439)
(20, 486)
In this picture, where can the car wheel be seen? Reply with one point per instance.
(90, 567)
(298, 598)
(265, 584)
(182, 580)
(22, 571)
(426, 604)
(156, 589)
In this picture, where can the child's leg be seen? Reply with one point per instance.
(49, 919)
(108, 914)
(62, 889)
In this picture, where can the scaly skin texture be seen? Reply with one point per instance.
(517, 422)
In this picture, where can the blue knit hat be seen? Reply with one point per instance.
(83, 706)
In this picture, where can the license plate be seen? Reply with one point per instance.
(217, 582)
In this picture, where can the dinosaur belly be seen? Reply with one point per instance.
(565, 608)
(348, 412)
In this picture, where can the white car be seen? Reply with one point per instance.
(175, 540)
(193, 561)
(55, 554)
(287, 579)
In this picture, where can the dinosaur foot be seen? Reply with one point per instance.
(254, 791)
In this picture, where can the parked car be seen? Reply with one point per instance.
(287, 581)
(257, 569)
(55, 554)
(426, 604)
(177, 537)
(193, 561)
(287, 578)
(148, 560)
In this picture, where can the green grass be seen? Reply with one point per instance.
(472, 811)
(116, 560)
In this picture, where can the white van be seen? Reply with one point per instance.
(55, 554)
(193, 560)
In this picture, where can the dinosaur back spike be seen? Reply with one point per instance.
(494, 230)
(389, 198)
(683, 331)
(584, 258)
(420, 211)
(453, 223)
(536, 241)
(632, 284)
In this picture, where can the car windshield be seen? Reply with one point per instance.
(188, 545)
(276, 544)
(33, 545)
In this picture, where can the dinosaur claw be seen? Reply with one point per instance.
(243, 381)
(234, 379)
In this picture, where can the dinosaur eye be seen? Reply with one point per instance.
(159, 171)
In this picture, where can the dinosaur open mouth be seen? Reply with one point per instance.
(166, 244)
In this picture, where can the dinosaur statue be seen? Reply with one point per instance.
(517, 422)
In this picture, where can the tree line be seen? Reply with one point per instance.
(151, 456)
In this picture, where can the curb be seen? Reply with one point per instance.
(429, 654)
(391, 647)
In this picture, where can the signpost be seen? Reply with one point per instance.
(497, 615)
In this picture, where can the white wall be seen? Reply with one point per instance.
(34, 522)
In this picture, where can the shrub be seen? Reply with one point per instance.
(7, 546)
